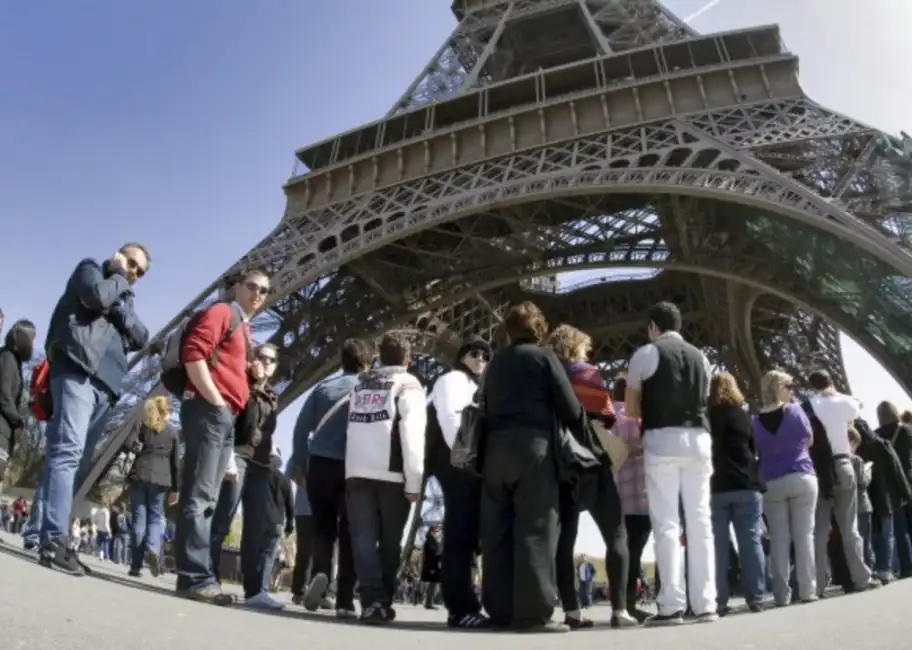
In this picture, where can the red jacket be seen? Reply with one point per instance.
(230, 373)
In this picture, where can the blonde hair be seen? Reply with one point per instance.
(566, 341)
(724, 391)
(157, 410)
(771, 384)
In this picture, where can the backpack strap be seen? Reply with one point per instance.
(233, 323)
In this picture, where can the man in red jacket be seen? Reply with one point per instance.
(217, 390)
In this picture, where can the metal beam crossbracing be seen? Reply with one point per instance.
(678, 151)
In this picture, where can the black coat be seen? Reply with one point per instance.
(256, 424)
(157, 457)
(430, 565)
(11, 393)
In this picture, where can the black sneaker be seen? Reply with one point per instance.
(375, 614)
(315, 592)
(56, 555)
(29, 545)
(134, 573)
(665, 619)
(756, 607)
(468, 621)
(581, 623)
(154, 563)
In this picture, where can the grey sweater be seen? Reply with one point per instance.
(863, 479)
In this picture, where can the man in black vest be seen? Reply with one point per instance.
(668, 387)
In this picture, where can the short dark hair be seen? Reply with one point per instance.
(357, 355)
(525, 322)
(820, 380)
(906, 417)
(887, 413)
(395, 349)
(253, 271)
(133, 244)
(665, 316)
(619, 389)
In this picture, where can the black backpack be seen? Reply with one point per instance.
(173, 373)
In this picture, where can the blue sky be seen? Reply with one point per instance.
(174, 123)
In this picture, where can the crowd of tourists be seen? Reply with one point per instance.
(813, 495)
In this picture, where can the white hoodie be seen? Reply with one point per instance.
(386, 422)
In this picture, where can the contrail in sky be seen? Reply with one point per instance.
(702, 10)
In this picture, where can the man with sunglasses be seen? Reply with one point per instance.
(92, 329)
(217, 359)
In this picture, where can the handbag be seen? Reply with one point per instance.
(617, 449)
(571, 456)
(468, 447)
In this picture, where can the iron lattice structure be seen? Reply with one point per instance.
(549, 136)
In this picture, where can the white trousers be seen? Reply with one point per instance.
(672, 482)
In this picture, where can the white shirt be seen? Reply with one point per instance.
(383, 402)
(674, 442)
(101, 518)
(451, 394)
(835, 413)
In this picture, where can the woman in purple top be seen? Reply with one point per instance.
(782, 435)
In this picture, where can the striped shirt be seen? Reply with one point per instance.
(631, 478)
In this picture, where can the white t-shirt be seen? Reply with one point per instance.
(835, 413)
(101, 518)
(451, 394)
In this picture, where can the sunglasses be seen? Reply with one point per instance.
(134, 266)
(267, 359)
(257, 288)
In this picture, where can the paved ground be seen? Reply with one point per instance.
(41, 609)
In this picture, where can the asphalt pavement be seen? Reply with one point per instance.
(41, 609)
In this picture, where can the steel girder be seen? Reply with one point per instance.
(738, 194)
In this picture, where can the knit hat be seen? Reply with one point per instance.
(473, 342)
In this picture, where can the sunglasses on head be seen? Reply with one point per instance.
(134, 266)
(264, 358)
(257, 288)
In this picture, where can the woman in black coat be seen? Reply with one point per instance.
(155, 472)
(17, 350)
(430, 566)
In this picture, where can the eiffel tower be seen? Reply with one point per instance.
(549, 136)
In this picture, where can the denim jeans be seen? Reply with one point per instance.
(258, 538)
(273, 537)
(228, 501)
(742, 510)
(147, 506)
(103, 546)
(864, 529)
(81, 404)
(377, 514)
(902, 534)
(120, 548)
(884, 544)
(585, 594)
(209, 435)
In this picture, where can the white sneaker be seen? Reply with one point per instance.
(346, 613)
(263, 601)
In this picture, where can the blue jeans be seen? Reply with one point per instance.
(271, 552)
(902, 534)
(585, 594)
(229, 499)
(81, 404)
(258, 539)
(103, 546)
(742, 510)
(884, 544)
(147, 506)
(864, 529)
(209, 435)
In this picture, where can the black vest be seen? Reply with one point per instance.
(677, 394)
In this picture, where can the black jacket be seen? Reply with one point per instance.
(280, 509)
(889, 488)
(157, 457)
(821, 453)
(733, 452)
(11, 393)
(431, 557)
(256, 424)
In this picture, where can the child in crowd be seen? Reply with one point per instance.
(865, 509)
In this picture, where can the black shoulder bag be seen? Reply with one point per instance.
(468, 447)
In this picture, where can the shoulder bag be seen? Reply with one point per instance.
(468, 448)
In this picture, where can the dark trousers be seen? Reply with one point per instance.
(226, 508)
(326, 492)
(208, 432)
(519, 528)
(461, 520)
(377, 512)
(597, 493)
(864, 529)
(638, 530)
(902, 535)
(303, 553)
(259, 536)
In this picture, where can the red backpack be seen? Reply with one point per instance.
(40, 391)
